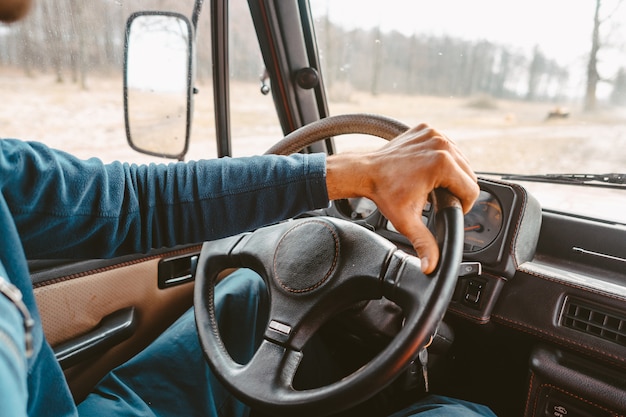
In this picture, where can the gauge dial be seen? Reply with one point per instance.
(356, 208)
(483, 223)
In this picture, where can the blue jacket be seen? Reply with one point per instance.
(53, 205)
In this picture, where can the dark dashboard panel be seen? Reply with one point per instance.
(502, 229)
(572, 306)
(491, 226)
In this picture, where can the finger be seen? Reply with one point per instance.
(424, 244)
(452, 171)
(442, 142)
(463, 161)
(463, 184)
(429, 138)
(409, 222)
(470, 183)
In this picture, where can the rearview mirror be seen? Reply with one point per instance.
(158, 82)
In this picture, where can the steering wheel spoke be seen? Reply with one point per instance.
(405, 284)
(270, 372)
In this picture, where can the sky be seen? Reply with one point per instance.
(562, 29)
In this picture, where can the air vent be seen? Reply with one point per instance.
(594, 320)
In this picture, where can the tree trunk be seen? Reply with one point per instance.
(81, 27)
(377, 52)
(592, 66)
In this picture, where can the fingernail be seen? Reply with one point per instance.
(424, 262)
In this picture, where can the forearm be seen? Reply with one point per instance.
(69, 208)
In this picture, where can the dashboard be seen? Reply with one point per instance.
(491, 226)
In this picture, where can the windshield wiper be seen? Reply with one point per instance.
(611, 180)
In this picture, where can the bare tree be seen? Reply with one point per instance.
(537, 66)
(377, 53)
(618, 96)
(593, 76)
(592, 65)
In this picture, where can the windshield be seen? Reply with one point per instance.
(527, 87)
(507, 79)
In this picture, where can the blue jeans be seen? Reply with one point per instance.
(440, 406)
(170, 377)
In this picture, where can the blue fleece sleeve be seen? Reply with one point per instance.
(70, 208)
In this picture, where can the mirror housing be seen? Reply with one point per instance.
(159, 61)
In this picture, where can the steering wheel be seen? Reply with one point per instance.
(315, 267)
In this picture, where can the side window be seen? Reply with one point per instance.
(61, 80)
(61, 76)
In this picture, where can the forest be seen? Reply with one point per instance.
(92, 41)
(444, 66)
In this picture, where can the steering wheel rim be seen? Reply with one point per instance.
(351, 264)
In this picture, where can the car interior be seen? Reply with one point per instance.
(527, 311)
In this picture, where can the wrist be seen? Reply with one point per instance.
(348, 175)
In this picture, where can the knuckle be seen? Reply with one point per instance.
(441, 143)
(442, 158)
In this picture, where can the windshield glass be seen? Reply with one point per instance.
(523, 87)
(507, 79)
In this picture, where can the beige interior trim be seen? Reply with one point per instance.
(73, 306)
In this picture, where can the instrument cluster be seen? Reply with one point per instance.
(488, 225)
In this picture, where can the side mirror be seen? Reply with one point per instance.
(158, 83)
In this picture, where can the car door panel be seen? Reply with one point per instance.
(76, 303)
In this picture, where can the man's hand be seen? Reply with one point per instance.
(399, 177)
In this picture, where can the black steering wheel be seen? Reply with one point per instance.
(315, 267)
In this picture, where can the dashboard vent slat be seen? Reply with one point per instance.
(594, 320)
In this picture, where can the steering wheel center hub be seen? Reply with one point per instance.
(303, 266)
